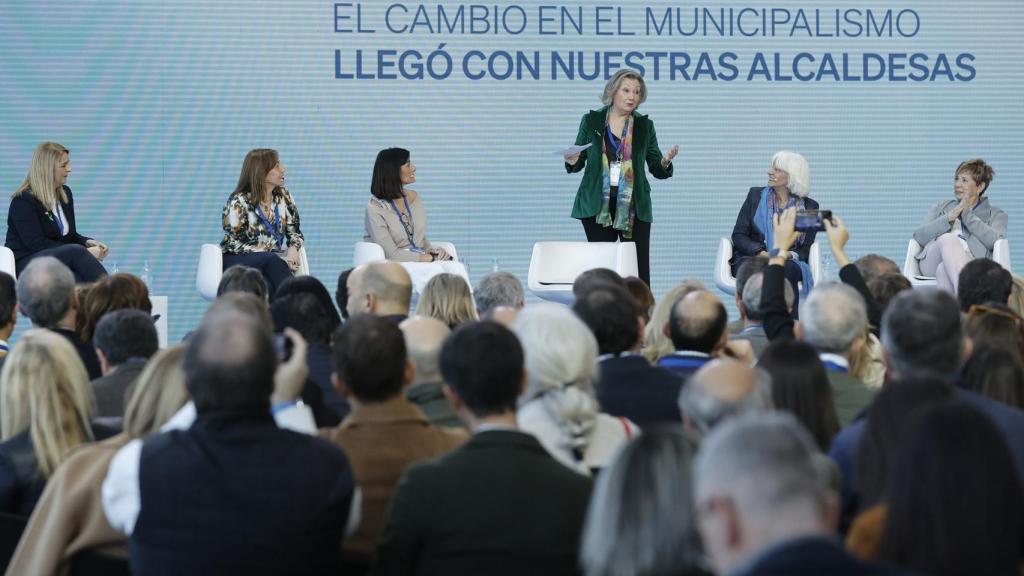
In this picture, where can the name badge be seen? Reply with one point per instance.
(614, 171)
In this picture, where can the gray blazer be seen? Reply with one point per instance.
(981, 227)
(383, 227)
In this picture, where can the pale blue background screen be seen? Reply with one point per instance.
(159, 102)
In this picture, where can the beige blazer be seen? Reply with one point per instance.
(384, 227)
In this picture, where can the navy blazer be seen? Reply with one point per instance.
(813, 556)
(31, 227)
(747, 240)
(630, 387)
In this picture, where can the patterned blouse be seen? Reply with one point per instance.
(245, 231)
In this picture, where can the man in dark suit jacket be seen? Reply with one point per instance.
(124, 341)
(46, 294)
(498, 505)
(628, 385)
(747, 528)
(698, 328)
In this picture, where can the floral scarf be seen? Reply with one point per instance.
(625, 212)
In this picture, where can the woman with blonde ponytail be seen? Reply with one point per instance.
(41, 218)
(45, 413)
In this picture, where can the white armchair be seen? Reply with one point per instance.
(726, 282)
(7, 262)
(370, 252)
(912, 267)
(555, 265)
(211, 267)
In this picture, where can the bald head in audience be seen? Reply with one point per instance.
(698, 323)
(379, 288)
(722, 389)
(424, 337)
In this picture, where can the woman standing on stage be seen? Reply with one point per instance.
(41, 218)
(261, 222)
(614, 198)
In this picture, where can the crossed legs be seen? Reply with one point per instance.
(945, 259)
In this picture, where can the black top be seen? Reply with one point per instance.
(748, 241)
(630, 387)
(85, 351)
(812, 556)
(32, 227)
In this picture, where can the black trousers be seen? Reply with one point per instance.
(275, 271)
(83, 265)
(641, 235)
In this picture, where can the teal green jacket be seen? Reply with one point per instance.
(645, 148)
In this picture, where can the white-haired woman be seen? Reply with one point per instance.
(789, 181)
(45, 412)
(613, 200)
(559, 406)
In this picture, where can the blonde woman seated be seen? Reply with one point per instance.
(961, 229)
(447, 298)
(397, 221)
(69, 518)
(45, 412)
(559, 406)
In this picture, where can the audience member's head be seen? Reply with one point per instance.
(833, 318)
(424, 337)
(46, 291)
(229, 364)
(310, 285)
(995, 325)
(921, 332)
(124, 334)
(746, 271)
(341, 292)
(379, 288)
(954, 501)
(872, 266)
(498, 289)
(482, 365)
(46, 393)
(750, 302)
(8, 305)
(561, 365)
(724, 389)
(596, 277)
(641, 518)
(244, 303)
(370, 363)
(656, 342)
(642, 296)
(239, 278)
(611, 315)
(885, 287)
(698, 323)
(447, 298)
(983, 281)
(757, 486)
(800, 386)
(157, 394)
(886, 425)
(305, 313)
(115, 292)
(997, 373)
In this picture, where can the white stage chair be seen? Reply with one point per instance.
(370, 252)
(555, 265)
(211, 267)
(912, 267)
(7, 262)
(726, 282)
(419, 272)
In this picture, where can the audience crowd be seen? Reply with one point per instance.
(626, 434)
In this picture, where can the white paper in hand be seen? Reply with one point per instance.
(572, 150)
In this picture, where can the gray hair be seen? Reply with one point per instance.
(705, 411)
(241, 278)
(613, 85)
(560, 355)
(765, 463)
(799, 172)
(498, 289)
(641, 518)
(922, 332)
(833, 316)
(752, 296)
(45, 290)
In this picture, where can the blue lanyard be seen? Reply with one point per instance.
(618, 145)
(60, 223)
(407, 226)
(276, 229)
(833, 367)
(682, 362)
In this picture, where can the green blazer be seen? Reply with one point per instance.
(645, 147)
